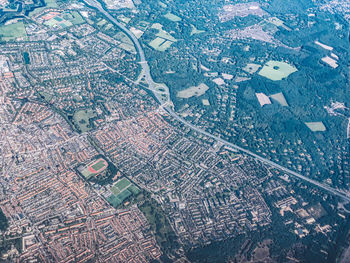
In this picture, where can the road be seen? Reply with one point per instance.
(153, 86)
(162, 96)
(325, 187)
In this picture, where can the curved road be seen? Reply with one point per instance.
(152, 85)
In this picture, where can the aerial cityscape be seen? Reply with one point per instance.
(175, 131)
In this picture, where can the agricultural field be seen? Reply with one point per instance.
(172, 17)
(13, 32)
(163, 39)
(316, 126)
(82, 119)
(279, 97)
(193, 91)
(121, 190)
(276, 70)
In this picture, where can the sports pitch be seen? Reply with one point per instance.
(95, 168)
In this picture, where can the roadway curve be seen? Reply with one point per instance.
(152, 86)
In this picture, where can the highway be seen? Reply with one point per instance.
(152, 86)
(325, 187)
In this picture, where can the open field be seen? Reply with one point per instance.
(162, 33)
(193, 91)
(279, 97)
(82, 119)
(172, 17)
(99, 165)
(163, 40)
(316, 126)
(49, 4)
(13, 31)
(196, 31)
(276, 70)
(75, 18)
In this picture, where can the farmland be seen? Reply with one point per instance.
(193, 91)
(276, 70)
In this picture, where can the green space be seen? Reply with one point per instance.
(160, 44)
(122, 190)
(155, 215)
(124, 19)
(276, 70)
(102, 22)
(172, 17)
(99, 165)
(162, 33)
(75, 18)
(65, 20)
(279, 97)
(96, 165)
(26, 58)
(82, 119)
(196, 31)
(122, 183)
(49, 4)
(316, 126)
(13, 31)
(3, 221)
(193, 91)
(86, 173)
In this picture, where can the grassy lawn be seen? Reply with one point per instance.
(13, 31)
(49, 4)
(82, 119)
(122, 183)
(97, 166)
(276, 70)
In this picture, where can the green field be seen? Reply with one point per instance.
(13, 31)
(96, 166)
(279, 97)
(122, 183)
(160, 44)
(276, 70)
(196, 31)
(82, 119)
(121, 190)
(65, 20)
(99, 165)
(172, 17)
(316, 126)
(114, 200)
(102, 22)
(193, 91)
(49, 4)
(76, 18)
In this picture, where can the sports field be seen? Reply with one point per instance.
(121, 190)
(94, 168)
(13, 31)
